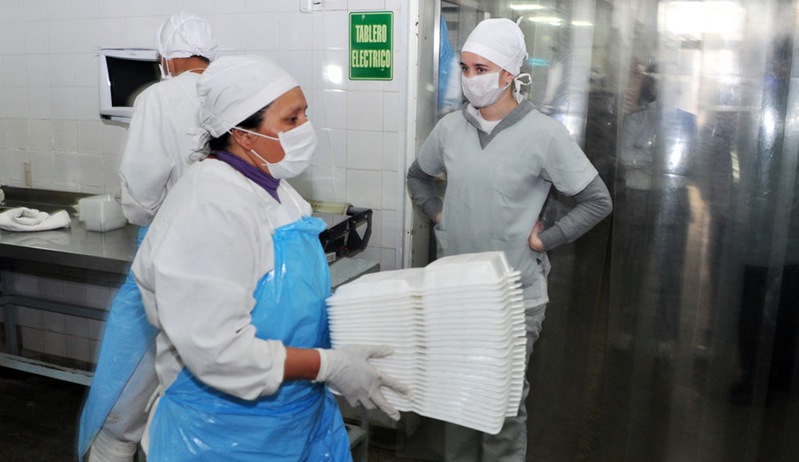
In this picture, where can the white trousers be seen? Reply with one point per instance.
(122, 430)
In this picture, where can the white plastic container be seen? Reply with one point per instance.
(101, 213)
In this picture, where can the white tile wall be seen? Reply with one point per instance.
(38, 69)
(41, 135)
(377, 229)
(48, 108)
(364, 187)
(85, 8)
(59, 10)
(62, 70)
(18, 134)
(294, 30)
(17, 102)
(229, 31)
(15, 72)
(331, 148)
(364, 150)
(260, 6)
(65, 136)
(42, 169)
(112, 32)
(167, 7)
(328, 108)
(40, 103)
(365, 110)
(391, 151)
(331, 30)
(86, 34)
(12, 10)
(201, 7)
(139, 8)
(139, 31)
(228, 6)
(3, 136)
(111, 8)
(64, 102)
(330, 69)
(35, 10)
(261, 30)
(298, 63)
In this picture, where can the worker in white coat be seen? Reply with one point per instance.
(164, 125)
(501, 157)
(161, 140)
(234, 278)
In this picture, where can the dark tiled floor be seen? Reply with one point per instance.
(39, 415)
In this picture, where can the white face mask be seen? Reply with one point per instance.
(299, 145)
(482, 90)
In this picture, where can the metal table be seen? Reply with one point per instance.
(77, 254)
(72, 254)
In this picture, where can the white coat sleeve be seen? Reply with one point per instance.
(204, 270)
(146, 163)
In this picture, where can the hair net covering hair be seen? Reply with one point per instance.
(186, 35)
(235, 87)
(500, 41)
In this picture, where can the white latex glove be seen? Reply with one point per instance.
(348, 372)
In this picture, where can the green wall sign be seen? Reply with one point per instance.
(371, 51)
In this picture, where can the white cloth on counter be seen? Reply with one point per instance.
(205, 252)
(25, 219)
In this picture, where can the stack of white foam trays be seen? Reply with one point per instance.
(457, 328)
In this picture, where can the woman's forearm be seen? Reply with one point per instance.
(593, 205)
(301, 364)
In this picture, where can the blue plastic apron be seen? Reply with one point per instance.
(302, 421)
(127, 338)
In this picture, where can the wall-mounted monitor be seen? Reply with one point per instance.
(124, 73)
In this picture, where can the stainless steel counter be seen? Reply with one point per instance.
(100, 259)
(73, 247)
(113, 251)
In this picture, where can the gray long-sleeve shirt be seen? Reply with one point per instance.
(592, 205)
(593, 202)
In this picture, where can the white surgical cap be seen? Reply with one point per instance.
(186, 35)
(233, 88)
(499, 41)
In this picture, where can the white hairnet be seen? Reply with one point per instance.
(500, 41)
(235, 87)
(185, 35)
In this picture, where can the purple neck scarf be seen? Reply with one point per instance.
(250, 171)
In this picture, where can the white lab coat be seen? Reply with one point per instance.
(161, 137)
(197, 270)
